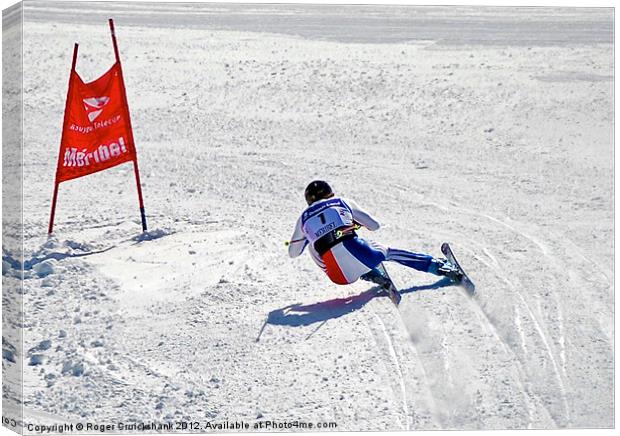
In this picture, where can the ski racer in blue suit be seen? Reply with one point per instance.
(327, 227)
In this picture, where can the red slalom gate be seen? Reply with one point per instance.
(96, 133)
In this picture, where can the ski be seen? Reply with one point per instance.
(388, 286)
(465, 281)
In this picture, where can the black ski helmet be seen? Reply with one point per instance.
(318, 190)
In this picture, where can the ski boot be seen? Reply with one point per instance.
(379, 276)
(442, 267)
(376, 276)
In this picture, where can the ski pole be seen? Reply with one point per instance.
(292, 241)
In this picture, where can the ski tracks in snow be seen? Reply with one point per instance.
(511, 333)
(398, 371)
(504, 276)
(542, 303)
(408, 374)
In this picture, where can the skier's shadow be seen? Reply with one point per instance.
(297, 315)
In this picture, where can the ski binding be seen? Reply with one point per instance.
(465, 281)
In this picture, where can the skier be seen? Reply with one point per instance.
(328, 226)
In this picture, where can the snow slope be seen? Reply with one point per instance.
(504, 150)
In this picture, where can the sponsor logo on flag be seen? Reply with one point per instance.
(94, 106)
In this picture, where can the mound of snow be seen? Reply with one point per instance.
(45, 268)
(74, 368)
(8, 355)
(6, 267)
(8, 350)
(149, 235)
(43, 345)
(37, 359)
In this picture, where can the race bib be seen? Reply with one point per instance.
(325, 217)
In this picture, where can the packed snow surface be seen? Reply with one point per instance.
(501, 145)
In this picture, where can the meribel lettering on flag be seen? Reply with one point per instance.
(97, 131)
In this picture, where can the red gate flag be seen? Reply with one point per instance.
(96, 134)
